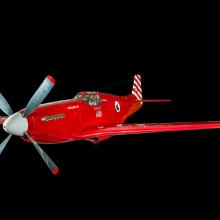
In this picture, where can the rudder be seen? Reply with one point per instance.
(137, 89)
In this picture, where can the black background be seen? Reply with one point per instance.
(178, 57)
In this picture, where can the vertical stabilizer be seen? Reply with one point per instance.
(137, 90)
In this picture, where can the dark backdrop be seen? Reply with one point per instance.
(177, 57)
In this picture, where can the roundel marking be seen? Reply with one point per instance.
(117, 106)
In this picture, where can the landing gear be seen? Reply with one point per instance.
(96, 143)
(97, 140)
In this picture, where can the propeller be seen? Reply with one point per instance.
(4, 143)
(52, 166)
(4, 106)
(17, 124)
(39, 95)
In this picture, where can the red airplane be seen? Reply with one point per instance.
(90, 116)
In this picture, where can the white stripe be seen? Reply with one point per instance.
(136, 89)
(137, 80)
(136, 95)
(135, 83)
(138, 76)
(139, 94)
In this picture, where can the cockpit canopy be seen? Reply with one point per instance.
(90, 98)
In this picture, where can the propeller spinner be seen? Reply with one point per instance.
(17, 124)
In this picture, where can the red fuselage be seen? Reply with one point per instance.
(66, 120)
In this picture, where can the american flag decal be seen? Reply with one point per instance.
(98, 114)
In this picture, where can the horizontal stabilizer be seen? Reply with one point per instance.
(154, 100)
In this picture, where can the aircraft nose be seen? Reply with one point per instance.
(16, 124)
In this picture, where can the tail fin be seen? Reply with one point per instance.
(137, 90)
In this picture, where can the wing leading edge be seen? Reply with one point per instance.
(126, 129)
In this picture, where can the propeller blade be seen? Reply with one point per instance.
(4, 106)
(39, 95)
(52, 166)
(4, 143)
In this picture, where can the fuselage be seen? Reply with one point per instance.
(66, 120)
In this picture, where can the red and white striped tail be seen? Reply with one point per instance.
(137, 90)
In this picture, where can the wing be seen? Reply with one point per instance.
(123, 129)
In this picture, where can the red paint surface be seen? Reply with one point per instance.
(51, 79)
(56, 171)
(155, 100)
(124, 129)
(81, 122)
(2, 119)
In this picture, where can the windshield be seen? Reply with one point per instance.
(78, 96)
(90, 98)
